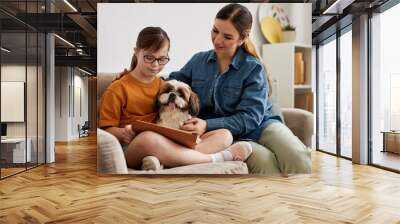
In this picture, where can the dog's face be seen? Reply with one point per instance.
(178, 95)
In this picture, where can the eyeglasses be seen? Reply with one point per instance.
(151, 59)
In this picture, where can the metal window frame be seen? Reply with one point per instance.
(387, 5)
(379, 10)
(334, 37)
(44, 72)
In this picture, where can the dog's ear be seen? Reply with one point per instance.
(157, 104)
(164, 87)
(194, 104)
(186, 92)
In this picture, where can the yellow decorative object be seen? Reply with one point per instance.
(271, 29)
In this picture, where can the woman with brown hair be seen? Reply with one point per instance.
(234, 94)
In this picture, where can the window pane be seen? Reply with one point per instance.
(31, 97)
(22, 78)
(327, 97)
(15, 150)
(346, 94)
(385, 82)
(41, 98)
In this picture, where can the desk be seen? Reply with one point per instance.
(391, 141)
(13, 150)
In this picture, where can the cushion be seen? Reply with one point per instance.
(111, 160)
(232, 167)
(110, 157)
(301, 123)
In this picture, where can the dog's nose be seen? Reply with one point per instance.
(171, 97)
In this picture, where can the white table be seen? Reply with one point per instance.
(18, 149)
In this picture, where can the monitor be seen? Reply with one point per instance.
(3, 129)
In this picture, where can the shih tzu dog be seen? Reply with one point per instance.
(176, 103)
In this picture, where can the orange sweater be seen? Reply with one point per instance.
(128, 99)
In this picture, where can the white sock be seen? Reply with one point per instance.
(221, 156)
(217, 157)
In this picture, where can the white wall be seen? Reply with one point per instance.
(188, 26)
(66, 121)
(61, 103)
(12, 73)
(300, 16)
(80, 83)
(33, 127)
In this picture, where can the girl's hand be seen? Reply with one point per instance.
(120, 75)
(124, 135)
(195, 125)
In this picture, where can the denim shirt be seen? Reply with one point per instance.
(235, 100)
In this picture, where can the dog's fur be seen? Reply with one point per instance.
(176, 103)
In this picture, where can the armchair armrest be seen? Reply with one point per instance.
(301, 123)
(110, 156)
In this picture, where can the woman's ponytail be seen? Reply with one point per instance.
(249, 48)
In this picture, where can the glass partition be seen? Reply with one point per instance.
(346, 94)
(31, 98)
(385, 89)
(41, 86)
(327, 97)
(22, 63)
(13, 103)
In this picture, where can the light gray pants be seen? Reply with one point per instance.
(279, 151)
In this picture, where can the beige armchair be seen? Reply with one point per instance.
(111, 158)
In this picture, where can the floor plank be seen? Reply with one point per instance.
(387, 159)
(70, 191)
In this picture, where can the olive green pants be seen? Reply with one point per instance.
(279, 151)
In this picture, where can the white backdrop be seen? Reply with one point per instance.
(188, 25)
(12, 101)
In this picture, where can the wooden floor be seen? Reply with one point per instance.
(70, 191)
(387, 159)
(10, 171)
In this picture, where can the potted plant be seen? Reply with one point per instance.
(289, 33)
(288, 30)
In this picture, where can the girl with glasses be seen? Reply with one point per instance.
(133, 96)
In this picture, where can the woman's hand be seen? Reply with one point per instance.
(120, 75)
(124, 135)
(195, 125)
